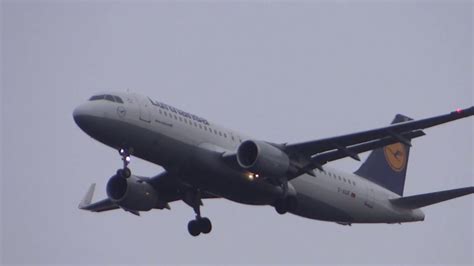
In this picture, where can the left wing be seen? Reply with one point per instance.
(167, 186)
(325, 150)
(100, 206)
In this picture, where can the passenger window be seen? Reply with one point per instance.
(225, 135)
(166, 114)
(220, 133)
(215, 131)
(180, 119)
(200, 126)
(160, 112)
(344, 180)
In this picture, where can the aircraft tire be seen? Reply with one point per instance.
(281, 206)
(126, 172)
(205, 225)
(291, 203)
(194, 228)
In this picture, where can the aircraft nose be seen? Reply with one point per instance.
(84, 116)
(79, 114)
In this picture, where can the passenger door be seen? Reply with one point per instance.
(369, 201)
(144, 105)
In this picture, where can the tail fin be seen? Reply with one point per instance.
(387, 166)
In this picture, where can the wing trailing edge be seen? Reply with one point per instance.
(419, 201)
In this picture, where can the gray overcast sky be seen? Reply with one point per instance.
(282, 72)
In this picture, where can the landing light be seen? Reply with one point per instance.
(252, 176)
(128, 159)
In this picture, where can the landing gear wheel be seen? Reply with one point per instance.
(199, 225)
(192, 197)
(287, 204)
(194, 228)
(205, 225)
(126, 172)
(291, 203)
(281, 206)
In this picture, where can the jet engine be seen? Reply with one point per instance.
(132, 193)
(263, 158)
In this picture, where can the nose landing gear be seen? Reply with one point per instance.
(125, 172)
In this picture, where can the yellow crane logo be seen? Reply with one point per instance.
(396, 156)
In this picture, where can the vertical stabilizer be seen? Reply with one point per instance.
(387, 166)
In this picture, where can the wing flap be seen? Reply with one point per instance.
(418, 201)
(360, 148)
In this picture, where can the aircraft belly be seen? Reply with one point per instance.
(196, 166)
(317, 201)
(210, 172)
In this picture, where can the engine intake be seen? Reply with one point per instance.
(263, 158)
(132, 193)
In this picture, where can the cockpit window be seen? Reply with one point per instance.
(107, 97)
(118, 99)
(97, 97)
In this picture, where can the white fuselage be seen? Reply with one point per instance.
(193, 147)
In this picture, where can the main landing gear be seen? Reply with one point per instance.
(125, 172)
(200, 224)
(287, 203)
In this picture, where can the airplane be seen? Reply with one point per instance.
(203, 160)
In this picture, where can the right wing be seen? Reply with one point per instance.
(318, 152)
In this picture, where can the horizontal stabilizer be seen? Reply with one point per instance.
(418, 201)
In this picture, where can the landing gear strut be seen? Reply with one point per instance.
(125, 172)
(200, 224)
(287, 202)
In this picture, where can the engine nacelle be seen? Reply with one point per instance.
(132, 193)
(263, 158)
